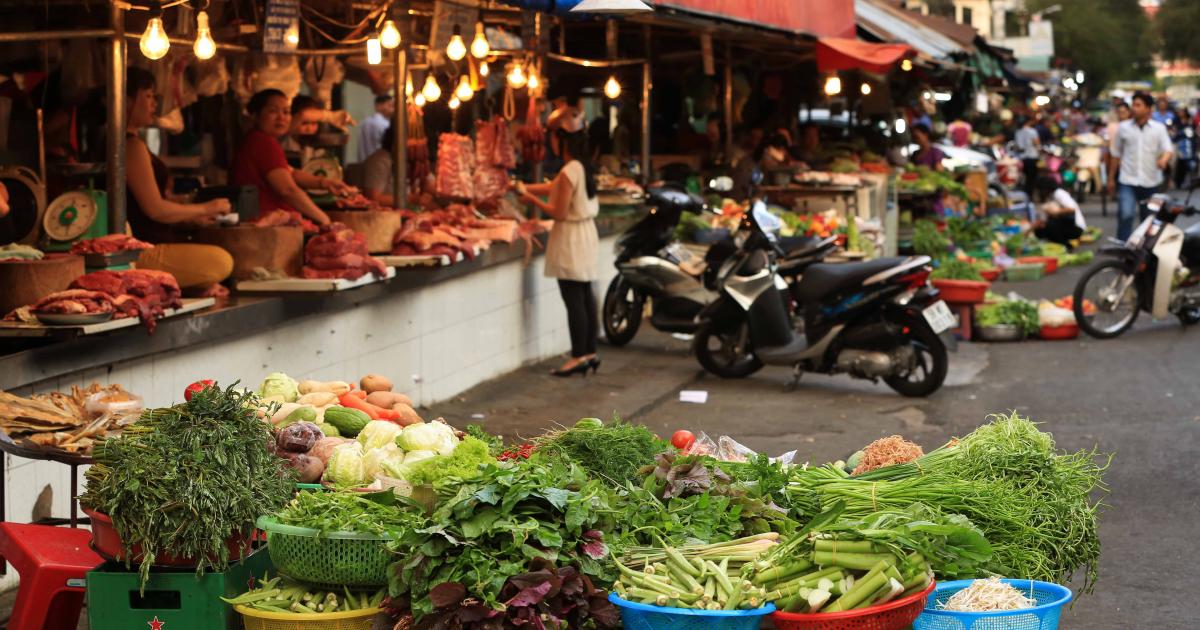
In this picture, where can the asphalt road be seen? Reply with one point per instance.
(1134, 397)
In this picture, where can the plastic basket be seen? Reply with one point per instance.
(894, 615)
(348, 620)
(1050, 601)
(635, 616)
(332, 559)
(1021, 272)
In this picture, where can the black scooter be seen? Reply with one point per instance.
(651, 266)
(875, 320)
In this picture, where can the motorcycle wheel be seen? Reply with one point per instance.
(727, 355)
(1189, 316)
(1114, 313)
(622, 312)
(931, 363)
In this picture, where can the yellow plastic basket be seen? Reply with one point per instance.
(348, 620)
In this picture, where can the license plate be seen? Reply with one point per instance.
(939, 317)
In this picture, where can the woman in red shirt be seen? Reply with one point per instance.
(260, 162)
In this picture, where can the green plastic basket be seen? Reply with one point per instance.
(331, 559)
(1023, 272)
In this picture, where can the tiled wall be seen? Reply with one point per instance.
(433, 343)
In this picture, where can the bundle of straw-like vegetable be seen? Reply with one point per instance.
(1032, 502)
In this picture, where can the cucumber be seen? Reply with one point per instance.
(348, 422)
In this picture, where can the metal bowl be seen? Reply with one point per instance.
(1000, 332)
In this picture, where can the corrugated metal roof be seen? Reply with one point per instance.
(889, 24)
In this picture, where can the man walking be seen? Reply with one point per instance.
(1029, 145)
(370, 133)
(1140, 152)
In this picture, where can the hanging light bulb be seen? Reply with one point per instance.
(612, 89)
(204, 47)
(431, 90)
(534, 82)
(483, 69)
(516, 76)
(865, 89)
(408, 88)
(833, 85)
(456, 49)
(479, 45)
(906, 65)
(374, 51)
(390, 35)
(154, 42)
(419, 100)
(454, 102)
(464, 91)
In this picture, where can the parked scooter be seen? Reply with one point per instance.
(651, 266)
(1157, 270)
(879, 319)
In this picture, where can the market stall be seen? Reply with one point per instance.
(593, 524)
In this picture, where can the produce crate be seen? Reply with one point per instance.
(1023, 272)
(177, 599)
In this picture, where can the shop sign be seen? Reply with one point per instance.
(282, 30)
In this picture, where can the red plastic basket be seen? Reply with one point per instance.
(991, 275)
(1070, 331)
(107, 542)
(962, 291)
(894, 615)
(1050, 263)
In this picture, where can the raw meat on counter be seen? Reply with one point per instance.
(456, 228)
(339, 252)
(69, 302)
(285, 218)
(141, 293)
(455, 166)
(110, 244)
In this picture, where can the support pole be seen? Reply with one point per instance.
(729, 103)
(646, 84)
(400, 125)
(116, 121)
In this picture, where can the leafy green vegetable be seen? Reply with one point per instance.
(494, 442)
(1021, 313)
(463, 463)
(965, 230)
(375, 512)
(928, 241)
(953, 269)
(613, 453)
(281, 385)
(183, 479)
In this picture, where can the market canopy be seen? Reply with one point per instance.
(839, 53)
(829, 18)
(889, 22)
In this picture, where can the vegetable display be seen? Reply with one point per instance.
(612, 452)
(1020, 313)
(953, 269)
(284, 595)
(928, 241)
(375, 513)
(184, 479)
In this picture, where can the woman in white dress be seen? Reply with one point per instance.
(573, 250)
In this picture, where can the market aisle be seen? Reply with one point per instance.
(1133, 396)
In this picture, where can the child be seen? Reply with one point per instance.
(1062, 221)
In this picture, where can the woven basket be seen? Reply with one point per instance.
(332, 559)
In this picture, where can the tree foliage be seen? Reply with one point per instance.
(1176, 24)
(1106, 38)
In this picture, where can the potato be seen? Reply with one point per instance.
(408, 415)
(387, 400)
(335, 387)
(375, 383)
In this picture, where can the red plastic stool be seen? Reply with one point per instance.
(53, 563)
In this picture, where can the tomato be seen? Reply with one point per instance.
(683, 440)
(197, 386)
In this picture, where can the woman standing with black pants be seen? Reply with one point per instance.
(573, 250)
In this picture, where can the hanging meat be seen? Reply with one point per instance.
(494, 155)
(456, 166)
(418, 149)
(532, 135)
(339, 252)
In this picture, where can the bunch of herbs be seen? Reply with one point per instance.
(613, 452)
(380, 513)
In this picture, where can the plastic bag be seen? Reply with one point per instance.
(728, 449)
(1052, 316)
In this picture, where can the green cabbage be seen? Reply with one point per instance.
(400, 469)
(379, 433)
(281, 385)
(428, 436)
(346, 465)
(375, 458)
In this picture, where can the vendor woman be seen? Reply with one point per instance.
(926, 155)
(260, 162)
(153, 216)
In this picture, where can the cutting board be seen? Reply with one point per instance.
(305, 285)
(379, 226)
(276, 249)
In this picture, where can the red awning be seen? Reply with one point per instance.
(836, 53)
(828, 18)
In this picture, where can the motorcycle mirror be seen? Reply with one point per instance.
(724, 183)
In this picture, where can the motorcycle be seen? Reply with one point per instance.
(652, 267)
(1157, 270)
(874, 320)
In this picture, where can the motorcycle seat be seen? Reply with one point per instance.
(822, 279)
(1191, 244)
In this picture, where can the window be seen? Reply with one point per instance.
(944, 8)
(967, 14)
(1015, 24)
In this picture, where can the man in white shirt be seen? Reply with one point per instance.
(1139, 153)
(370, 133)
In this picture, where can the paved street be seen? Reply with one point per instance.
(1134, 396)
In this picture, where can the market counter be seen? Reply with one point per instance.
(436, 331)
